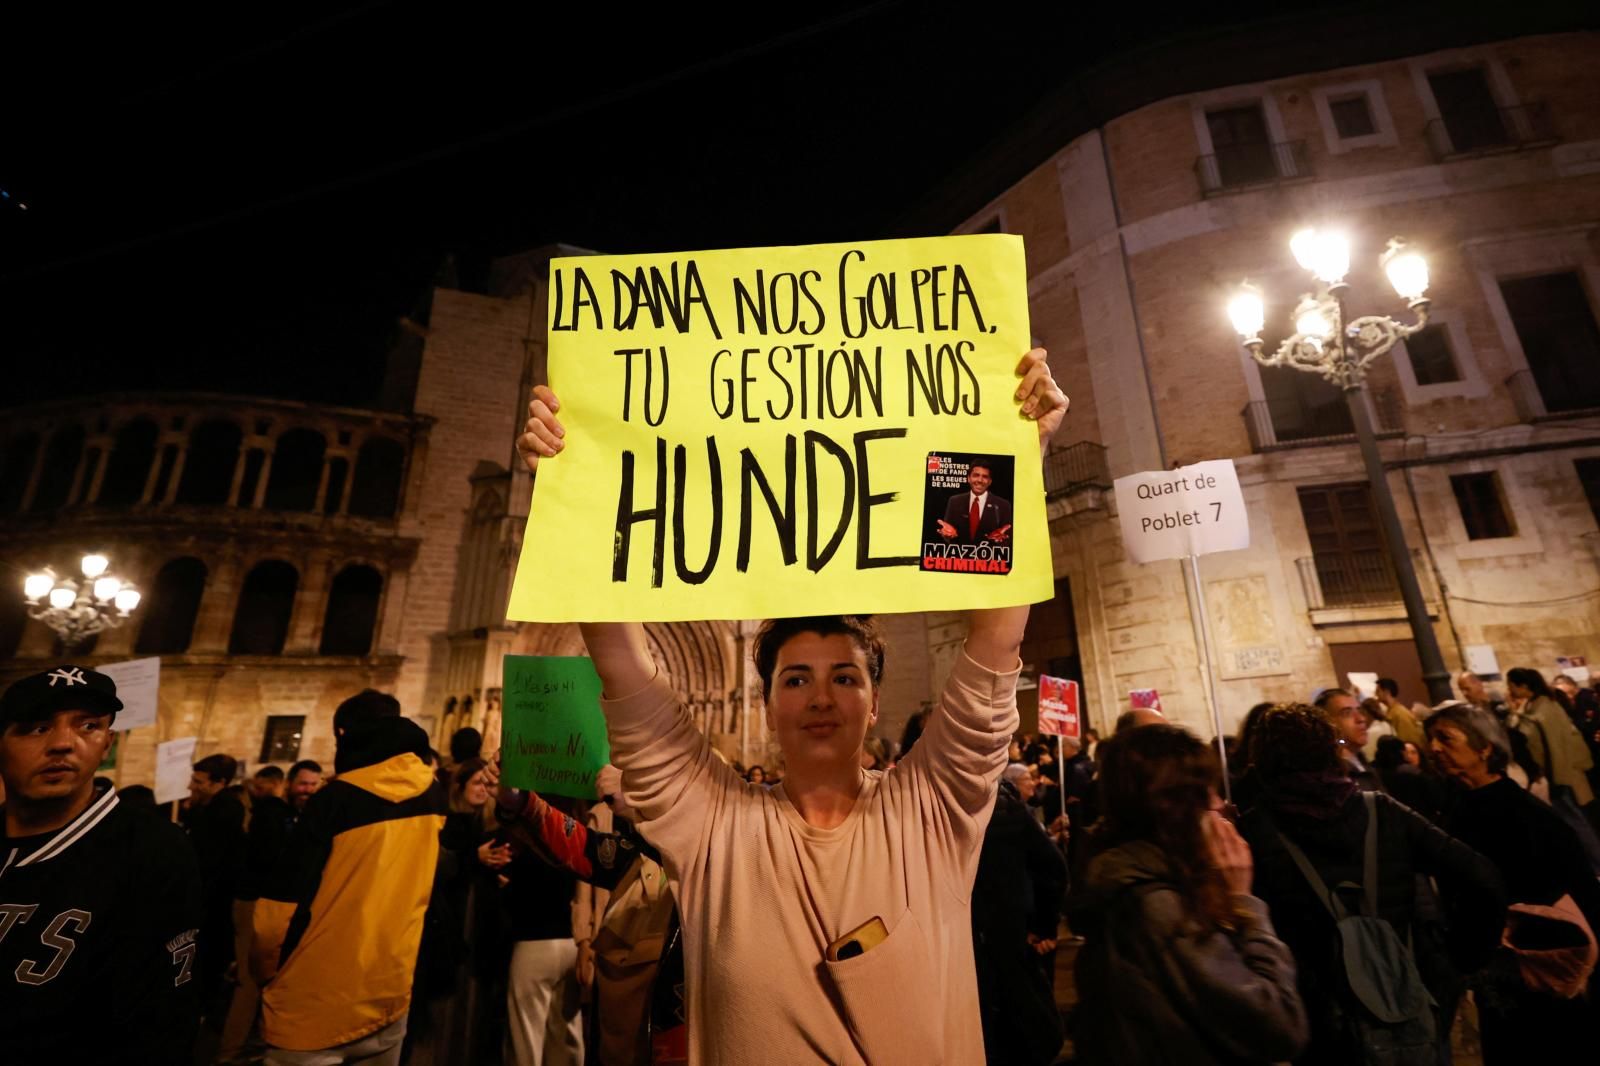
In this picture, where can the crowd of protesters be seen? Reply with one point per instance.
(856, 901)
(1364, 891)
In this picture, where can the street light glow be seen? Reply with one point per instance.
(1326, 254)
(1313, 323)
(37, 586)
(1247, 311)
(1407, 270)
(1304, 244)
(78, 608)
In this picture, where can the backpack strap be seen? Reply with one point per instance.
(1319, 888)
(1369, 864)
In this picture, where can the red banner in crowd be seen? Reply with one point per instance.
(1144, 698)
(1058, 707)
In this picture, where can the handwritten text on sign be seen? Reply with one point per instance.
(748, 427)
(554, 731)
(1193, 510)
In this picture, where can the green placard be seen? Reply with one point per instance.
(554, 732)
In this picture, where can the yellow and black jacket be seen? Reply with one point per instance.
(337, 927)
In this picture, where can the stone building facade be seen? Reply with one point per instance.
(380, 544)
(273, 542)
(1487, 157)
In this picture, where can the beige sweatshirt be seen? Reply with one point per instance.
(762, 894)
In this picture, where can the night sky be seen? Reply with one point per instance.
(242, 201)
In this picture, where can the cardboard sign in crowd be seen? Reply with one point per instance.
(766, 432)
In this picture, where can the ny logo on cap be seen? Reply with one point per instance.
(72, 677)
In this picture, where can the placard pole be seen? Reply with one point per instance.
(1061, 766)
(1211, 677)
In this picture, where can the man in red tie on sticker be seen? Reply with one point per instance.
(977, 514)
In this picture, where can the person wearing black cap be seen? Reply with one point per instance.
(338, 925)
(99, 904)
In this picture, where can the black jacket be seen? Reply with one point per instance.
(1020, 881)
(97, 941)
(1471, 892)
(1536, 852)
(271, 821)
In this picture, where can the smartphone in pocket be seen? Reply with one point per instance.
(858, 941)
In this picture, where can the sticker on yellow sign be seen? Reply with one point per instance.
(765, 432)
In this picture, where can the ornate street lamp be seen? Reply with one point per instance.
(76, 609)
(1325, 343)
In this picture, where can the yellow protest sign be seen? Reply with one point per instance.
(765, 432)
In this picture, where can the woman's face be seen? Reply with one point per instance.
(1454, 755)
(1413, 757)
(822, 702)
(758, 776)
(476, 790)
(1518, 692)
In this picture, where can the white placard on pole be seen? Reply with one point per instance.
(138, 682)
(1481, 660)
(174, 766)
(1172, 514)
(1184, 514)
(1365, 684)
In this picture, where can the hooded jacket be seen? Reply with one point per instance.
(338, 925)
(1155, 986)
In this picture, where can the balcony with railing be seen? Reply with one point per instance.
(1484, 132)
(1358, 585)
(1237, 167)
(1075, 468)
(196, 457)
(1559, 400)
(1322, 425)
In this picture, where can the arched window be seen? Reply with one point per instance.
(352, 611)
(16, 469)
(13, 619)
(209, 463)
(60, 464)
(261, 622)
(171, 609)
(128, 466)
(296, 471)
(376, 491)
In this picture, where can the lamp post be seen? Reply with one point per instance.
(78, 609)
(1325, 343)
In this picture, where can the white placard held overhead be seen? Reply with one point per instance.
(1481, 660)
(174, 766)
(1365, 685)
(138, 681)
(1193, 510)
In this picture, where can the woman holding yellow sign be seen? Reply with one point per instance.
(846, 890)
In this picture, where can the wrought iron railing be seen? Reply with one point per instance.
(1362, 578)
(1331, 424)
(1243, 166)
(1500, 130)
(1077, 466)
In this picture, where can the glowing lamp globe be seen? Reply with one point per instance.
(1247, 311)
(1407, 270)
(37, 586)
